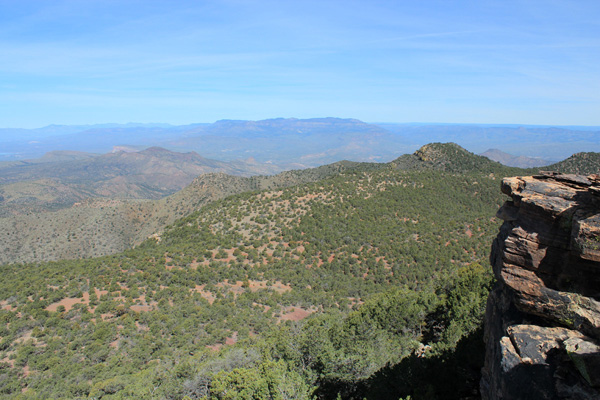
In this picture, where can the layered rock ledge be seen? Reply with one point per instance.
(542, 326)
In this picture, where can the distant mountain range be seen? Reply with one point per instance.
(292, 143)
(299, 143)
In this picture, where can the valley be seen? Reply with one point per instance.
(61, 178)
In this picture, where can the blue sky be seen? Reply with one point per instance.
(86, 61)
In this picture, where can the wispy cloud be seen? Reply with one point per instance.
(378, 60)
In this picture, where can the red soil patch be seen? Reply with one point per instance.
(215, 347)
(257, 285)
(294, 314)
(354, 301)
(5, 306)
(141, 308)
(309, 196)
(69, 302)
(230, 256)
(278, 286)
(229, 341)
(270, 195)
(232, 339)
(237, 288)
(265, 307)
(141, 327)
(7, 359)
(205, 294)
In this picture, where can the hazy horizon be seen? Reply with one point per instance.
(409, 123)
(294, 141)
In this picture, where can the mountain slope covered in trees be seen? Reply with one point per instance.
(369, 282)
(101, 226)
(96, 227)
(585, 163)
(321, 284)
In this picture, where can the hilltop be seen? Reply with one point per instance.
(545, 142)
(579, 163)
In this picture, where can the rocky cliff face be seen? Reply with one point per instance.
(543, 317)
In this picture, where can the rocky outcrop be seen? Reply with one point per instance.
(543, 317)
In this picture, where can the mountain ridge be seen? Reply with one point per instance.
(91, 225)
(106, 225)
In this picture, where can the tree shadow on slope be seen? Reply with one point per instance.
(450, 374)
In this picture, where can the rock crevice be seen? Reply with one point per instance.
(543, 317)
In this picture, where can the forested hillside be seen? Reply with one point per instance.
(97, 227)
(102, 226)
(369, 283)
